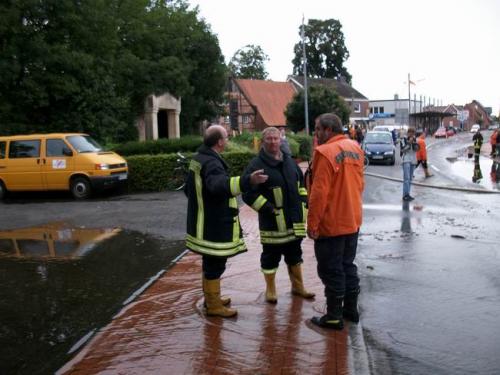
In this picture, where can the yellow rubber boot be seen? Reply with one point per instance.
(213, 301)
(224, 300)
(270, 288)
(295, 273)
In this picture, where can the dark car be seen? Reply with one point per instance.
(379, 147)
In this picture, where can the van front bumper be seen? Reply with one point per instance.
(109, 182)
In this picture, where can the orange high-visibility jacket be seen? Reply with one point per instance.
(493, 138)
(335, 200)
(422, 152)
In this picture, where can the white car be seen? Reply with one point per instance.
(475, 128)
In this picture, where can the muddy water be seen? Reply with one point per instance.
(59, 284)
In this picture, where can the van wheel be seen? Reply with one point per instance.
(80, 188)
(3, 191)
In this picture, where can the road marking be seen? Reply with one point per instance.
(435, 168)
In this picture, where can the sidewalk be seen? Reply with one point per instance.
(166, 332)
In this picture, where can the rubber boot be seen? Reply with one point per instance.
(295, 273)
(225, 300)
(333, 318)
(350, 310)
(213, 301)
(270, 287)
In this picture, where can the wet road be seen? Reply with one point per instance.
(61, 283)
(431, 286)
(430, 290)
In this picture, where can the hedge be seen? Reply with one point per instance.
(160, 146)
(156, 172)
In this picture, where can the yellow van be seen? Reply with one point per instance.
(61, 161)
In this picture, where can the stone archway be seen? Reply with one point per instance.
(161, 118)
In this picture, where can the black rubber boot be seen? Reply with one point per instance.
(333, 318)
(350, 311)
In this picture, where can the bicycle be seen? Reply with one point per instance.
(180, 173)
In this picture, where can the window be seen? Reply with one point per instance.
(245, 119)
(24, 149)
(357, 108)
(3, 146)
(226, 119)
(57, 147)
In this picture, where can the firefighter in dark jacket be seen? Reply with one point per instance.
(281, 205)
(213, 227)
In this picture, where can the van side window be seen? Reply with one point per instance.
(24, 149)
(57, 147)
(3, 146)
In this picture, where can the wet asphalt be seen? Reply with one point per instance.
(429, 269)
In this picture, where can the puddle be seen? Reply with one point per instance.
(59, 283)
(485, 173)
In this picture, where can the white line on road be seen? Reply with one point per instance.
(435, 168)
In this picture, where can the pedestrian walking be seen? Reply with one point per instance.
(281, 204)
(422, 154)
(408, 149)
(213, 228)
(334, 218)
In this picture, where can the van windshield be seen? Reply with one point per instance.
(84, 143)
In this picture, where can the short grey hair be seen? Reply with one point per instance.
(270, 130)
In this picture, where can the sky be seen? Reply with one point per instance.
(450, 48)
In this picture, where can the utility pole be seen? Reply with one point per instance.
(409, 99)
(306, 106)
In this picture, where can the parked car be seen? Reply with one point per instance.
(493, 127)
(441, 133)
(379, 147)
(59, 161)
(475, 128)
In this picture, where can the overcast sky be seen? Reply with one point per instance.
(452, 47)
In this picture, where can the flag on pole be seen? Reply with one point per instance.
(411, 83)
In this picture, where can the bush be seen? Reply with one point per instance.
(160, 146)
(305, 145)
(156, 172)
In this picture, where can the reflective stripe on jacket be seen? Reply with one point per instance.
(213, 226)
(335, 200)
(280, 201)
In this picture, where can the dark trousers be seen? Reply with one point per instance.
(336, 268)
(271, 254)
(213, 267)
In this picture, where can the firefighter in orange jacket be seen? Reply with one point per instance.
(334, 218)
(422, 154)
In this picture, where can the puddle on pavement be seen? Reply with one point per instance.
(58, 283)
(484, 172)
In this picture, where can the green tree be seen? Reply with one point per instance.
(326, 51)
(321, 99)
(88, 66)
(249, 63)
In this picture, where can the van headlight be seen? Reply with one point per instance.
(101, 166)
(389, 153)
(368, 152)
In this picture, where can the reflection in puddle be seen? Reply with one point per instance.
(59, 283)
(52, 240)
(483, 171)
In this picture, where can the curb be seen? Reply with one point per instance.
(455, 188)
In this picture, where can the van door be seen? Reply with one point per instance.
(23, 167)
(3, 157)
(57, 165)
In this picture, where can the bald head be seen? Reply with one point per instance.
(213, 134)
